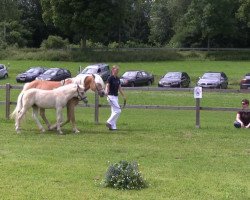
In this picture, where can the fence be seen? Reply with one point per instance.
(96, 106)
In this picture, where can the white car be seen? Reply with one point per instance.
(3, 71)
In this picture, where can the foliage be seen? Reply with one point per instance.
(124, 175)
(55, 42)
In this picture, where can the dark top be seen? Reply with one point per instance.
(244, 116)
(114, 83)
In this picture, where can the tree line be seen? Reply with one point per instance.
(130, 23)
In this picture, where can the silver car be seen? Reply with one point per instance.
(3, 71)
(213, 80)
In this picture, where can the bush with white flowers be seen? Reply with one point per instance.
(124, 175)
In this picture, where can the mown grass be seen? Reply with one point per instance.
(235, 70)
(178, 160)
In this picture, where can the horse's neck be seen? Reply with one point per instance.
(87, 81)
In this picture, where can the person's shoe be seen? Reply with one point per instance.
(109, 126)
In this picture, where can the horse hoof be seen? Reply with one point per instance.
(42, 130)
(76, 131)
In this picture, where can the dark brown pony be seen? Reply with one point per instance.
(88, 81)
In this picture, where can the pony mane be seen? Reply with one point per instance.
(79, 79)
(98, 79)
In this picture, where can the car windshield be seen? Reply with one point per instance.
(129, 74)
(211, 76)
(89, 71)
(173, 75)
(33, 70)
(50, 72)
(1, 67)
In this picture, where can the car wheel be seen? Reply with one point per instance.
(132, 84)
(149, 83)
(6, 76)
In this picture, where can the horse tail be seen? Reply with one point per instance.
(18, 106)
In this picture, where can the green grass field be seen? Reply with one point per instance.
(178, 160)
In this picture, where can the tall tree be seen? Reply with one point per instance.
(163, 17)
(8, 12)
(83, 19)
(160, 23)
(206, 22)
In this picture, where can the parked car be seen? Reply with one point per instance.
(102, 69)
(213, 80)
(3, 71)
(55, 74)
(245, 82)
(174, 79)
(136, 78)
(30, 74)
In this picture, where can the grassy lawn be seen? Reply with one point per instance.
(178, 160)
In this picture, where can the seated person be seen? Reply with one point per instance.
(243, 116)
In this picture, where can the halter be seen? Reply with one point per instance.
(79, 96)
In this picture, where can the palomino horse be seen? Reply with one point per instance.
(89, 81)
(38, 98)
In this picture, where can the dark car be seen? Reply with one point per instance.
(213, 80)
(136, 78)
(55, 74)
(3, 71)
(30, 74)
(102, 69)
(245, 82)
(174, 79)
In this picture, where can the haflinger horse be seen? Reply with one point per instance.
(89, 81)
(38, 98)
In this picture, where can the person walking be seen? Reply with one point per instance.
(112, 87)
(243, 116)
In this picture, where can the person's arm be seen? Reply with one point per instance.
(238, 120)
(121, 92)
(107, 89)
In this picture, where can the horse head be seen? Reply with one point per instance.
(81, 94)
(99, 85)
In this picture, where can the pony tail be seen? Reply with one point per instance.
(18, 106)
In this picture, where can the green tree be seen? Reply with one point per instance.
(206, 22)
(83, 19)
(31, 19)
(8, 12)
(163, 17)
(243, 13)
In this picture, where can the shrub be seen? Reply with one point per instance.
(54, 42)
(124, 175)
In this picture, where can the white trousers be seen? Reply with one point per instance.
(115, 110)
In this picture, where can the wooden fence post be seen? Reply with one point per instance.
(197, 108)
(7, 100)
(96, 108)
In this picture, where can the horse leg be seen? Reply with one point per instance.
(59, 119)
(71, 114)
(42, 114)
(73, 102)
(18, 119)
(35, 117)
(68, 115)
